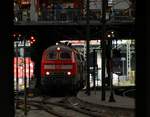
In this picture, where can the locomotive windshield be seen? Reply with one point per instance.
(65, 55)
(52, 55)
(58, 55)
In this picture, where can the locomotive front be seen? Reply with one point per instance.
(58, 68)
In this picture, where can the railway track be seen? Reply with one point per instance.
(74, 107)
(55, 108)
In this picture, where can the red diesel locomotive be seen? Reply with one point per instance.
(62, 66)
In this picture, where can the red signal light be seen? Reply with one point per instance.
(14, 35)
(32, 37)
(33, 40)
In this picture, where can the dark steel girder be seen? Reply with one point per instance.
(50, 34)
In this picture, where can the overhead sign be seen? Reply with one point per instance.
(21, 43)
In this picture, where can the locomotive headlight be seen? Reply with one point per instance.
(47, 73)
(58, 48)
(68, 73)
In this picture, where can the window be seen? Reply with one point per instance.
(65, 55)
(52, 55)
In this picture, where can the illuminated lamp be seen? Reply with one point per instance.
(109, 35)
(32, 37)
(20, 35)
(47, 73)
(14, 35)
(58, 48)
(68, 73)
(33, 40)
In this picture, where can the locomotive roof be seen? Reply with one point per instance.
(64, 47)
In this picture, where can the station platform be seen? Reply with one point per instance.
(95, 98)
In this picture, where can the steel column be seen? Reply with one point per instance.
(103, 44)
(87, 47)
(109, 70)
(17, 84)
(25, 82)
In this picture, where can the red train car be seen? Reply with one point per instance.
(62, 66)
(19, 66)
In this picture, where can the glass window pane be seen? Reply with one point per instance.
(52, 55)
(65, 55)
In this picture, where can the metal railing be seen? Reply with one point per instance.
(71, 16)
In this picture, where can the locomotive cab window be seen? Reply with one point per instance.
(65, 55)
(52, 55)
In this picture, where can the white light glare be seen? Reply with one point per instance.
(58, 48)
(109, 35)
(68, 73)
(47, 73)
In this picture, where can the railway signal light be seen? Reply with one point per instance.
(32, 40)
(108, 35)
(17, 36)
(14, 35)
(32, 37)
